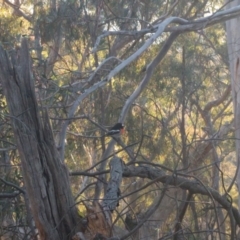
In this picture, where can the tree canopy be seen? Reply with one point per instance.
(69, 71)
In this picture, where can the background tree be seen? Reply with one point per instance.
(95, 63)
(233, 50)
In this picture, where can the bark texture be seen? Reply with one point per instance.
(45, 177)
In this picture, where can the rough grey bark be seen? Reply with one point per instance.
(45, 177)
(111, 198)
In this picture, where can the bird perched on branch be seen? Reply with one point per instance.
(116, 130)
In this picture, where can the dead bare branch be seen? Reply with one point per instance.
(18, 10)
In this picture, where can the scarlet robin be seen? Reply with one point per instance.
(118, 128)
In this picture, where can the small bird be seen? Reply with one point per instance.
(118, 128)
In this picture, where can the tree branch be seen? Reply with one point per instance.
(147, 77)
(185, 25)
(186, 183)
(9, 195)
(218, 101)
(18, 11)
(115, 71)
(13, 185)
(207, 21)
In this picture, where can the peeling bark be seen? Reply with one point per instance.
(45, 177)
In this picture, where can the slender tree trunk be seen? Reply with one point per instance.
(233, 42)
(45, 177)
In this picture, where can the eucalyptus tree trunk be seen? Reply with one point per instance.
(233, 42)
(45, 177)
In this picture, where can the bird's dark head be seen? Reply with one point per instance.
(119, 125)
